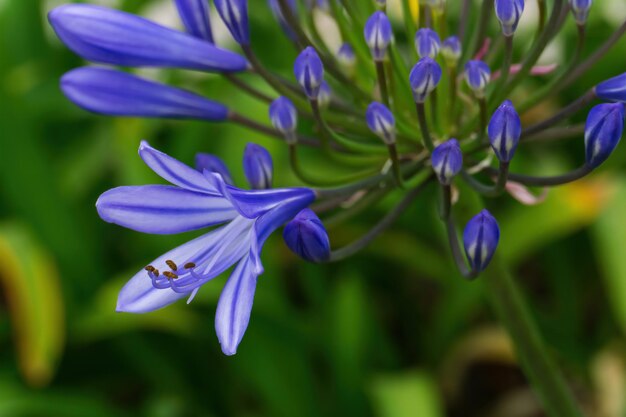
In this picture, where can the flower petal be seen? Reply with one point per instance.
(235, 305)
(174, 171)
(139, 296)
(163, 209)
(110, 36)
(112, 92)
(195, 17)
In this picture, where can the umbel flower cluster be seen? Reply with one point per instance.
(402, 115)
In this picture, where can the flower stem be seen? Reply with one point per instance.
(382, 82)
(489, 190)
(421, 117)
(513, 313)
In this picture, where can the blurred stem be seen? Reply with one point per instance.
(245, 87)
(382, 82)
(543, 11)
(452, 91)
(421, 117)
(506, 62)
(482, 104)
(481, 29)
(514, 314)
(464, 18)
(395, 162)
(555, 85)
(445, 213)
(552, 181)
(388, 220)
(489, 190)
(567, 111)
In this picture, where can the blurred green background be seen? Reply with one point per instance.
(392, 332)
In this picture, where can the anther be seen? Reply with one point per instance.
(170, 275)
(190, 265)
(150, 268)
(172, 265)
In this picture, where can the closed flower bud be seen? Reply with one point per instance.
(509, 13)
(283, 116)
(477, 76)
(346, 57)
(613, 89)
(325, 95)
(603, 131)
(504, 130)
(580, 9)
(380, 120)
(309, 72)
(258, 167)
(424, 78)
(427, 43)
(306, 236)
(447, 160)
(451, 50)
(195, 17)
(234, 14)
(378, 35)
(480, 238)
(212, 163)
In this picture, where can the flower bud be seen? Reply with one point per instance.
(325, 95)
(346, 57)
(580, 10)
(509, 13)
(504, 130)
(283, 116)
(212, 163)
(613, 89)
(380, 120)
(306, 236)
(480, 238)
(309, 72)
(258, 166)
(278, 14)
(234, 14)
(424, 78)
(378, 35)
(603, 131)
(427, 43)
(451, 50)
(477, 76)
(447, 160)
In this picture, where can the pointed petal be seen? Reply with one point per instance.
(212, 163)
(139, 296)
(109, 36)
(174, 171)
(195, 17)
(234, 307)
(116, 93)
(163, 209)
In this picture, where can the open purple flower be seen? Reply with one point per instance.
(198, 200)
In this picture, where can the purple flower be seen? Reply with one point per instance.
(378, 35)
(212, 163)
(451, 50)
(603, 131)
(283, 115)
(480, 238)
(613, 89)
(258, 166)
(427, 43)
(195, 17)
(424, 78)
(477, 76)
(309, 72)
(306, 236)
(278, 14)
(380, 120)
(447, 160)
(195, 201)
(580, 10)
(108, 36)
(116, 93)
(509, 13)
(234, 14)
(505, 128)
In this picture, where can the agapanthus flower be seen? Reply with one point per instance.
(198, 200)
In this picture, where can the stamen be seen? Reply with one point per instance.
(190, 265)
(150, 268)
(172, 265)
(170, 275)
